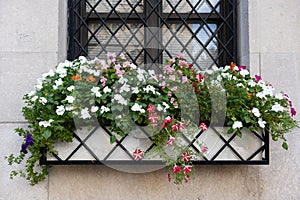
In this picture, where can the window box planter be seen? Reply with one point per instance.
(94, 147)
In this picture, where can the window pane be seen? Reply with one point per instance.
(182, 6)
(117, 38)
(120, 6)
(198, 43)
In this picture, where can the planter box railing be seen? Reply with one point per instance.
(94, 147)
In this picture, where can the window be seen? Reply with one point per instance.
(149, 31)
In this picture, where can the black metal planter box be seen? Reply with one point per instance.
(93, 147)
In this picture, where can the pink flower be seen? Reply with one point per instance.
(199, 77)
(182, 63)
(293, 111)
(120, 72)
(204, 149)
(175, 104)
(168, 119)
(186, 156)
(174, 88)
(170, 141)
(122, 56)
(182, 125)
(138, 154)
(163, 85)
(126, 64)
(179, 55)
(169, 94)
(176, 169)
(203, 126)
(187, 169)
(169, 70)
(172, 100)
(103, 81)
(175, 127)
(151, 108)
(258, 78)
(117, 67)
(184, 79)
(171, 60)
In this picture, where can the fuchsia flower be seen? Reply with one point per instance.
(170, 141)
(138, 154)
(203, 126)
(187, 169)
(293, 111)
(186, 156)
(258, 78)
(176, 169)
(240, 68)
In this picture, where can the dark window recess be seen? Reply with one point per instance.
(149, 31)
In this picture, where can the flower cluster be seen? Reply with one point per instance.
(116, 92)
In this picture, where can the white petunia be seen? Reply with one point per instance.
(58, 82)
(260, 95)
(60, 110)
(120, 99)
(244, 72)
(34, 98)
(71, 88)
(133, 66)
(85, 113)
(252, 83)
(95, 90)
(61, 71)
(279, 96)
(237, 124)
(30, 94)
(149, 88)
(43, 100)
(106, 89)
(166, 106)
(256, 112)
(135, 90)
(69, 108)
(138, 108)
(94, 109)
(261, 123)
(240, 85)
(125, 88)
(104, 109)
(46, 123)
(159, 107)
(70, 99)
(277, 107)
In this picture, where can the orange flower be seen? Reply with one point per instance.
(232, 65)
(90, 79)
(76, 77)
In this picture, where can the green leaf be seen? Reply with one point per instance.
(113, 139)
(47, 134)
(285, 146)
(230, 131)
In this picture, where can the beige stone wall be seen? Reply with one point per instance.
(32, 39)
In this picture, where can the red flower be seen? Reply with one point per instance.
(199, 77)
(175, 127)
(176, 169)
(203, 126)
(138, 154)
(186, 156)
(169, 177)
(168, 119)
(170, 141)
(187, 169)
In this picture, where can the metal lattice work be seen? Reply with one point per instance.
(94, 147)
(149, 31)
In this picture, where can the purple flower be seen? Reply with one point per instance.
(28, 142)
(240, 68)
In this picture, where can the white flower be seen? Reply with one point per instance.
(60, 110)
(95, 90)
(30, 94)
(45, 123)
(34, 98)
(260, 95)
(85, 113)
(61, 71)
(70, 99)
(58, 82)
(120, 99)
(244, 72)
(70, 88)
(94, 109)
(256, 112)
(149, 88)
(237, 124)
(240, 85)
(43, 100)
(125, 88)
(279, 96)
(252, 83)
(138, 108)
(135, 90)
(166, 106)
(159, 107)
(261, 123)
(133, 66)
(106, 89)
(140, 75)
(122, 80)
(277, 107)
(69, 108)
(104, 109)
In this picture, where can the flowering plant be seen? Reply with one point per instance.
(120, 94)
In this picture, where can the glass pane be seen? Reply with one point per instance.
(197, 42)
(186, 6)
(120, 6)
(116, 38)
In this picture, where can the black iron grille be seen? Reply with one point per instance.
(149, 31)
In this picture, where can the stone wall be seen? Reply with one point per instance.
(33, 38)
